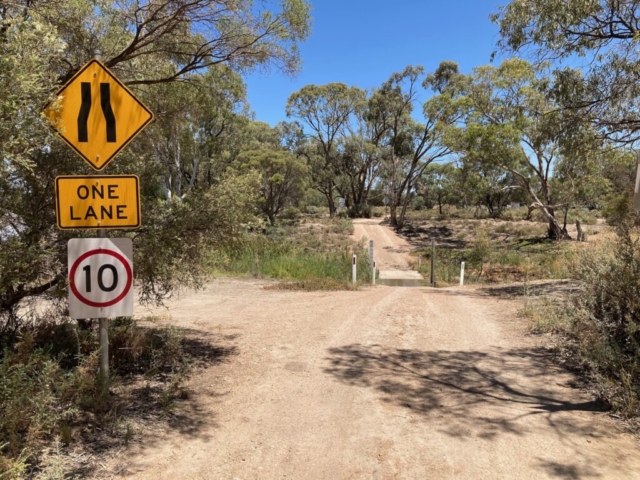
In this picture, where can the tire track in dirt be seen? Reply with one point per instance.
(380, 383)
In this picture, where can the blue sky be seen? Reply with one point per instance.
(361, 43)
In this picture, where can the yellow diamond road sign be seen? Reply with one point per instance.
(96, 115)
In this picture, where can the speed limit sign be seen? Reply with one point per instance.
(100, 277)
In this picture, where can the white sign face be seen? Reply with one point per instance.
(100, 277)
(385, 200)
(341, 202)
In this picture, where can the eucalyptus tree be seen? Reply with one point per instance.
(149, 44)
(283, 178)
(606, 89)
(438, 184)
(513, 122)
(327, 111)
(197, 130)
(413, 146)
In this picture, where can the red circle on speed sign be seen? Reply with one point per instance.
(100, 251)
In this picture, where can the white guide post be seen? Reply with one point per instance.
(353, 269)
(373, 274)
(462, 274)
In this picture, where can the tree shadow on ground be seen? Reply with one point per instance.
(473, 394)
(555, 288)
(149, 405)
(419, 237)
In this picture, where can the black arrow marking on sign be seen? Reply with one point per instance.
(105, 101)
(85, 108)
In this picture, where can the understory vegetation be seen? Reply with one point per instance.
(598, 326)
(494, 251)
(310, 256)
(49, 390)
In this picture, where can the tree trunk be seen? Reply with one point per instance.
(554, 231)
(331, 204)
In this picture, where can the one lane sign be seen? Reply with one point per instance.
(106, 201)
(100, 277)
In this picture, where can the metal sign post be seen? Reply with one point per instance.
(636, 193)
(433, 262)
(97, 116)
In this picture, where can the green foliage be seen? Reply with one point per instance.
(606, 320)
(320, 257)
(359, 211)
(604, 92)
(488, 261)
(283, 178)
(36, 395)
(48, 382)
(171, 248)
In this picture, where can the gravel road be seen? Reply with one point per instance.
(382, 383)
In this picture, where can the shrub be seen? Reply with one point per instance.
(359, 211)
(418, 203)
(514, 214)
(37, 397)
(48, 382)
(342, 226)
(606, 320)
(290, 213)
(315, 211)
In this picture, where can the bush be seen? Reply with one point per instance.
(48, 382)
(290, 213)
(359, 211)
(619, 211)
(341, 226)
(418, 203)
(315, 211)
(37, 399)
(606, 320)
(514, 214)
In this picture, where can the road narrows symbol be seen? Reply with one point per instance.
(85, 109)
(105, 102)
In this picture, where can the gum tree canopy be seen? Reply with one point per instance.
(605, 91)
(176, 55)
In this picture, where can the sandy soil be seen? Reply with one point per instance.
(382, 383)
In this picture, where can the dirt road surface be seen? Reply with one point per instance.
(391, 251)
(381, 383)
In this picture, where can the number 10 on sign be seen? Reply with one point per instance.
(100, 277)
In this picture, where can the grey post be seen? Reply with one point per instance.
(104, 322)
(636, 193)
(433, 262)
